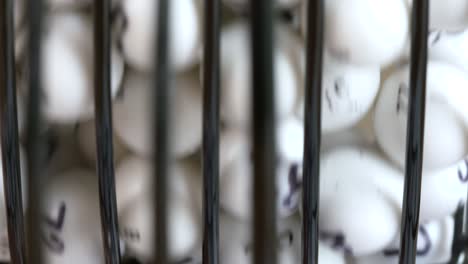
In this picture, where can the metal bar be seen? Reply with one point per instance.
(457, 245)
(9, 134)
(210, 163)
(264, 139)
(415, 132)
(103, 120)
(161, 128)
(34, 146)
(312, 130)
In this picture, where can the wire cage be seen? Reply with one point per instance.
(25, 248)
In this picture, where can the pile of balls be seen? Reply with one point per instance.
(364, 117)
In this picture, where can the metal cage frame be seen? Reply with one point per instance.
(24, 250)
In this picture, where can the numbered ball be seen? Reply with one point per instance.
(139, 31)
(236, 245)
(434, 245)
(348, 93)
(134, 176)
(71, 227)
(137, 228)
(364, 32)
(446, 116)
(449, 47)
(68, 44)
(355, 215)
(236, 181)
(236, 74)
(133, 114)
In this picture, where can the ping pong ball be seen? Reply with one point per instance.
(445, 141)
(133, 115)
(133, 177)
(352, 207)
(364, 32)
(236, 182)
(69, 94)
(434, 245)
(348, 93)
(71, 224)
(137, 225)
(138, 34)
(449, 47)
(236, 74)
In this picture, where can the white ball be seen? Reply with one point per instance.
(353, 212)
(236, 243)
(442, 191)
(134, 176)
(133, 115)
(236, 76)
(139, 33)
(137, 228)
(434, 245)
(86, 141)
(449, 15)
(445, 141)
(348, 93)
(449, 47)
(233, 143)
(365, 32)
(236, 182)
(68, 44)
(71, 225)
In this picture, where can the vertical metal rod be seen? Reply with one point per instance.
(34, 147)
(211, 83)
(415, 131)
(312, 130)
(161, 127)
(457, 245)
(9, 134)
(264, 136)
(103, 120)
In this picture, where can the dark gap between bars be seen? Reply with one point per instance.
(161, 128)
(9, 135)
(103, 112)
(263, 133)
(415, 132)
(34, 146)
(312, 131)
(210, 164)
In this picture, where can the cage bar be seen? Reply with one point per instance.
(312, 130)
(34, 146)
(211, 82)
(415, 132)
(161, 125)
(103, 112)
(264, 135)
(9, 134)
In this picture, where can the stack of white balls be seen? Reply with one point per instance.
(364, 109)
